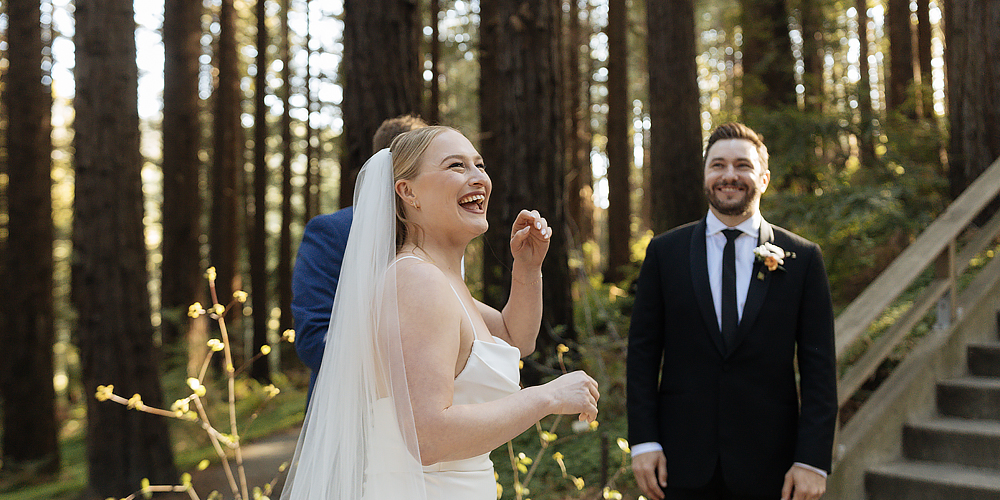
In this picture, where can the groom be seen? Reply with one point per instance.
(725, 310)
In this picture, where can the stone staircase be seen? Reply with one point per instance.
(956, 454)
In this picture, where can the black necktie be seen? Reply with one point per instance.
(730, 319)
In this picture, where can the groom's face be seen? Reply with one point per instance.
(735, 177)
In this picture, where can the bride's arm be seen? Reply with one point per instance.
(430, 321)
(522, 315)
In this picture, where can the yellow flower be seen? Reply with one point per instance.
(558, 456)
(578, 482)
(548, 436)
(216, 345)
(623, 444)
(210, 273)
(594, 424)
(219, 309)
(610, 494)
(196, 386)
(499, 491)
(240, 296)
(195, 310)
(203, 464)
(135, 402)
(180, 407)
(265, 349)
(186, 479)
(562, 348)
(520, 365)
(271, 391)
(104, 392)
(288, 335)
(145, 488)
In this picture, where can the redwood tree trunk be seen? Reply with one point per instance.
(866, 135)
(181, 282)
(376, 88)
(619, 148)
(521, 141)
(675, 123)
(285, 241)
(900, 56)
(973, 62)
(768, 63)
(258, 243)
(30, 428)
(113, 331)
(924, 58)
(229, 155)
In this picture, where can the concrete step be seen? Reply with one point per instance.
(930, 481)
(975, 443)
(984, 360)
(970, 397)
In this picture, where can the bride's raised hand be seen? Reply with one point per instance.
(574, 392)
(529, 238)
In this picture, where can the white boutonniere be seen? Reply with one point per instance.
(772, 256)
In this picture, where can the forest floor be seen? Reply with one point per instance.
(262, 461)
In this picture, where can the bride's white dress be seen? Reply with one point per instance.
(491, 372)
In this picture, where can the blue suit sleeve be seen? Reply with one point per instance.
(314, 282)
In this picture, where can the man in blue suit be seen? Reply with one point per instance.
(317, 264)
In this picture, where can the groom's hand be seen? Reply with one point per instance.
(804, 483)
(650, 471)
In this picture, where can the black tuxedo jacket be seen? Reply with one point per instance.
(740, 408)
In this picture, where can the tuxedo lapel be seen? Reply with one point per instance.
(702, 289)
(758, 288)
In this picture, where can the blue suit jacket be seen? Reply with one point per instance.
(314, 283)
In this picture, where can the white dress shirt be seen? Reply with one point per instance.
(715, 242)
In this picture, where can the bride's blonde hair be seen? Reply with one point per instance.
(407, 149)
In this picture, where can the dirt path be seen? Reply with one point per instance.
(261, 460)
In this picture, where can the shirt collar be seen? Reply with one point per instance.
(750, 226)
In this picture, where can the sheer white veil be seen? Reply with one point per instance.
(358, 440)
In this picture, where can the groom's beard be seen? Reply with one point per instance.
(736, 207)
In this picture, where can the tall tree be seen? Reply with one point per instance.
(181, 269)
(434, 102)
(811, 17)
(260, 370)
(376, 88)
(310, 189)
(229, 156)
(285, 239)
(579, 179)
(866, 135)
(521, 124)
(30, 428)
(114, 332)
(926, 103)
(674, 113)
(973, 62)
(619, 149)
(900, 56)
(768, 63)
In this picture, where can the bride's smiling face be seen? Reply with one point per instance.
(451, 189)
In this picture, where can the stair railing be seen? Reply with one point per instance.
(936, 246)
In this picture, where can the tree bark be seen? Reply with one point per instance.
(181, 282)
(258, 244)
(973, 62)
(900, 57)
(866, 135)
(812, 54)
(768, 63)
(114, 333)
(434, 103)
(285, 239)
(30, 428)
(225, 236)
(521, 140)
(376, 88)
(619, 144)
(310, 189)
(926, 108)
(675, 124)
(579, 206)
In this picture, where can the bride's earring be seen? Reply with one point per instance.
(415, 203)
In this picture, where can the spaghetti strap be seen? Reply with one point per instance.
(459, 297)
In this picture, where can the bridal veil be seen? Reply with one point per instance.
(358, 440)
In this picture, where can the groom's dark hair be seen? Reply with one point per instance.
(392, 127)
(735, 130)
